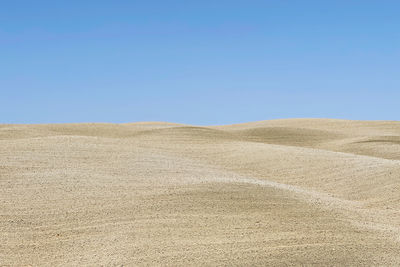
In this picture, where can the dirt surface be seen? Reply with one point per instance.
(283, 192)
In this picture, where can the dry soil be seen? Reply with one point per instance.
(282, 192)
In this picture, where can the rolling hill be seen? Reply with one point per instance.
(280, 192)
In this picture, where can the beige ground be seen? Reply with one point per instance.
(282, 192)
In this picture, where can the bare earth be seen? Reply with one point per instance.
(281, 192)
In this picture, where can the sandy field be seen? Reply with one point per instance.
(282, 192)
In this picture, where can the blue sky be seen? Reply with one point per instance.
(199, 62)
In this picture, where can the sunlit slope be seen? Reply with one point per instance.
(346, 175)
(266, 193)
(373, 138)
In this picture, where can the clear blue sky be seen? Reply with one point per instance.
(199, 62)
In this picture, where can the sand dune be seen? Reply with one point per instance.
(281, 192)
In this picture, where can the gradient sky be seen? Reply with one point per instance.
(199, 62)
